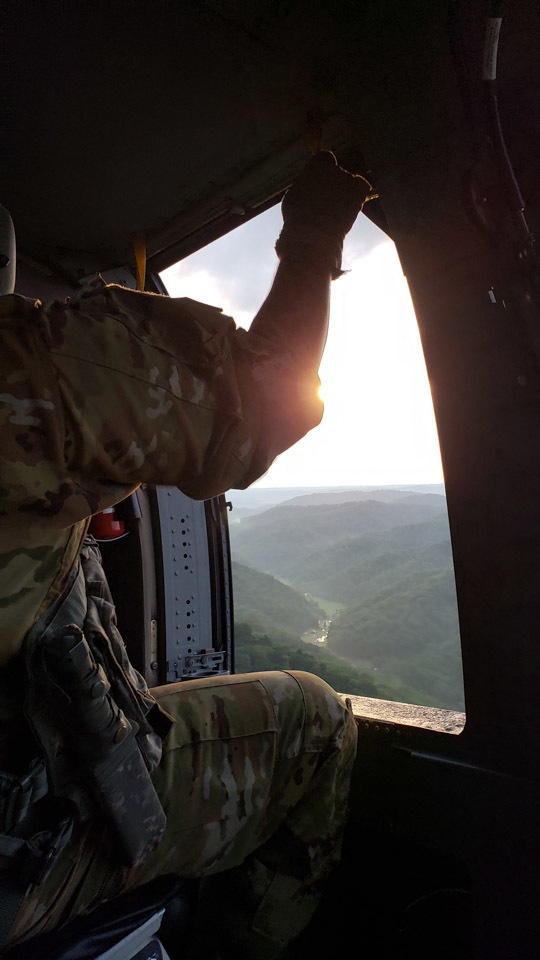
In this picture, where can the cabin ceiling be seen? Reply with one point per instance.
(179, 120)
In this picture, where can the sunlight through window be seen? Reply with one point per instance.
(341, 553)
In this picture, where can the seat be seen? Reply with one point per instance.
(151, 922)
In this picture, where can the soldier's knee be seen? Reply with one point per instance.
(324, 705)
(309, 711)
(315, 685)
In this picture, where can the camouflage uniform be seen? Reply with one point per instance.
(118, 388)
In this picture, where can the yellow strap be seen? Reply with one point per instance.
(139, 246)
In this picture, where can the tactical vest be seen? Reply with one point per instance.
(99, 731)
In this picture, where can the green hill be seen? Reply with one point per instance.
(280, 540)
(408, 634)
(255, 651)
(356, 567)
(270, 606)
(387, 563)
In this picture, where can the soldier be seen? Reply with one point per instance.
(113, 389)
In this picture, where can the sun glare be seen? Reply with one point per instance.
(378, 424)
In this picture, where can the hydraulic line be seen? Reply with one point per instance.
(513, 193)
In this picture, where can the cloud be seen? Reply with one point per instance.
(241, 264)
(362, 239)
(236, 272)
(202, 285)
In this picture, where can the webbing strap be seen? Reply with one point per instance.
(13, 883)
(18, 793)
(24, 864)
(11, 898)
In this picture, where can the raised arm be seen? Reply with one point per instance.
(118, 388)
(318, 212)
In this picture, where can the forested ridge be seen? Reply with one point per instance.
(379, 570)
(272, 607)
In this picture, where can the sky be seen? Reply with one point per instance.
(378, 425)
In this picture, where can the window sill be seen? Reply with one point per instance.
(408, 714)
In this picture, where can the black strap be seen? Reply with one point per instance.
(19, 792)
(25, 864)
(17, 795)
(11, 898)
(14, 882)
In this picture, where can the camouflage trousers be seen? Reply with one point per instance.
(254, 781)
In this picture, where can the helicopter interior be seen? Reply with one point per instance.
(161, 127)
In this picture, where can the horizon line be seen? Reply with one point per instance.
(343, 486)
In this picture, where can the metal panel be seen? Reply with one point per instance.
(187, 593)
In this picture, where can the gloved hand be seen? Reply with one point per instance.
(318, 211)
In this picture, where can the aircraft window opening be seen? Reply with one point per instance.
(341, 556)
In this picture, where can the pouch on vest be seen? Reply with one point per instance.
(93, 715)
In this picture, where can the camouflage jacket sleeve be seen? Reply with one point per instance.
(119, 388)
(115, 389)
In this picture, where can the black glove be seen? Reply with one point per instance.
(318, 211)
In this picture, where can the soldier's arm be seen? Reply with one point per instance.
(318, 211)
(121, 388)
